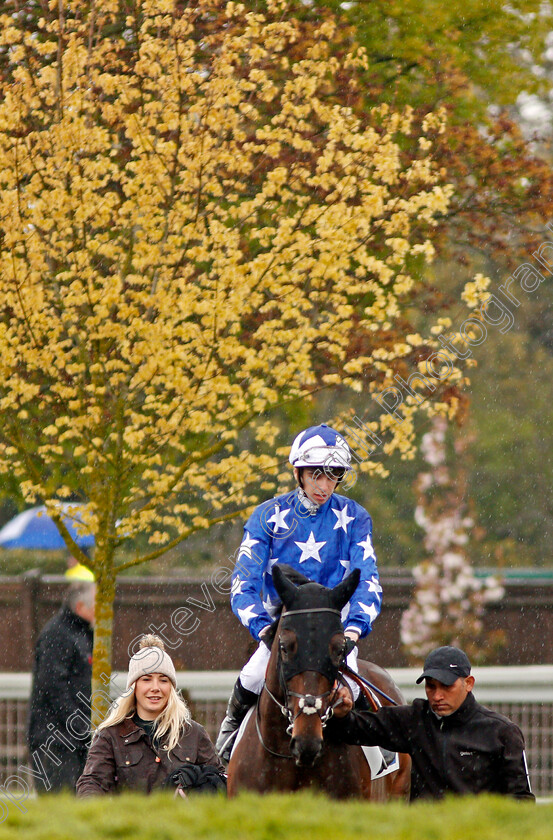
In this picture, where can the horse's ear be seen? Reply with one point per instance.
(293, 574)
(284, 587)
(344, 590)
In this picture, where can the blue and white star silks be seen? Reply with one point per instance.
(325, 546)
(278, 520)
(343, 518)
(237, 586)
(310, 548)
(367, 546)
(247, 615)
(246, 546)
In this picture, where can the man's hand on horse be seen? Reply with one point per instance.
(344, 701)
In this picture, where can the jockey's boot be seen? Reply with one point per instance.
(362, 703)
(240, 701)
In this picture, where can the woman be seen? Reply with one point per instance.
(148, 735)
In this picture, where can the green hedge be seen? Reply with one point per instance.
(289, 817)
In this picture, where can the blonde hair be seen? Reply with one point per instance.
(171, 721)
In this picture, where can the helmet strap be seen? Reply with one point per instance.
(311, 507)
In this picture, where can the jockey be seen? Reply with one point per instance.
(315, 531)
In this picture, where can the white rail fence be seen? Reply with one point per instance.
(524, 694)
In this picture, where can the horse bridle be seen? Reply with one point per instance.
(309, 704)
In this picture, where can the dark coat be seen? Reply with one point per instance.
(473, 750)
(122, 757)
(62, 670)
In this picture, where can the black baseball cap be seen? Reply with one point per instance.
(445, 664)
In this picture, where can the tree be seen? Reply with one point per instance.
(411, 45)
(475, 60)
(449, 600)
(196, 229)
(511, 485)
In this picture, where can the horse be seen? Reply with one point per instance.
(285, 744)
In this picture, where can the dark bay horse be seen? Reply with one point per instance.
(286, 745)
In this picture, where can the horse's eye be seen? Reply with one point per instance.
(287, 648)
(337, 651)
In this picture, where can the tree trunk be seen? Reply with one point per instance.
(101, 656)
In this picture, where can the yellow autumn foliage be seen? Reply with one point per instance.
(196, 227)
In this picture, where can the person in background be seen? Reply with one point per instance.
(456, 745)
(61, 686)
(149, 740)
(315, 531)
(75, 570)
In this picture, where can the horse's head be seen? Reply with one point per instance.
(311, 648)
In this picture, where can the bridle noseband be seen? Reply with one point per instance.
(309, 704)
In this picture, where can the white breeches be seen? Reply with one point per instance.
(252, 675)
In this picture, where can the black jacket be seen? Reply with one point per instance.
(63, 669)
(474, 750)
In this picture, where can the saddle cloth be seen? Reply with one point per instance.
(380, 761)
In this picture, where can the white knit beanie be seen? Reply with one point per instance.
(151, 658)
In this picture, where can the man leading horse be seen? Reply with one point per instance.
(457, 745)
(321, 534)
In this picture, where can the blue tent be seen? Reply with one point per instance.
(34, 529)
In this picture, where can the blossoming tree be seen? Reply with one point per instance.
(449, 599)
(196, 228)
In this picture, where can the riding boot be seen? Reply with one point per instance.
(240, 701)
(362, 703)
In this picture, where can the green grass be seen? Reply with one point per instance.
(161, 817)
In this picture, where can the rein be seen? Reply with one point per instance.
(365, 684)
(258, 727)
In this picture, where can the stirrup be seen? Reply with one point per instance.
(227, 734)
(224, 751)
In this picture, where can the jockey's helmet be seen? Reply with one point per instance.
(320, 446)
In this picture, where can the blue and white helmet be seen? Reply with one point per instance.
(320, 446)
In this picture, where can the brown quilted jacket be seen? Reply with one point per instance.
(122, 757)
